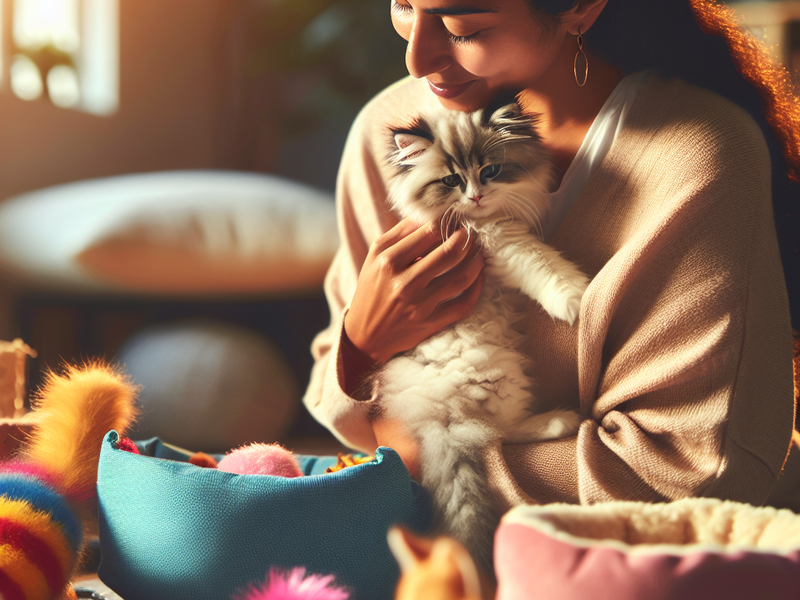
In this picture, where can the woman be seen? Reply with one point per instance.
(680, 363)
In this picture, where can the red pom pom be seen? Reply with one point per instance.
(261, 459)
(127, 445)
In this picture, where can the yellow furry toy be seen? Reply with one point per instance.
(46, 489)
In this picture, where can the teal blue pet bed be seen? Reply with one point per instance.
(169, 529)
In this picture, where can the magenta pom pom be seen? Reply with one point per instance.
(294, 585)
(261, 459)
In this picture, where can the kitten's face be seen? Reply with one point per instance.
(470, 167)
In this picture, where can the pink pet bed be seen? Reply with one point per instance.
(693, 549)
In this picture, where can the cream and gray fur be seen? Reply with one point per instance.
(469, 386)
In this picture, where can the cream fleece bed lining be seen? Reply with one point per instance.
(680, 527)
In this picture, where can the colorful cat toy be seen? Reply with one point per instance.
(46, 490)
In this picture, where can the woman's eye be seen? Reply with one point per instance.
(452, 181)
(490, 171)
(401, 9)
(464, 39)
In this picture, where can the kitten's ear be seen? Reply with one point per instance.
(507, 112)
(409, 145)
(510, 118)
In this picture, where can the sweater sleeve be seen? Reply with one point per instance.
(362, 216)
(684, 340)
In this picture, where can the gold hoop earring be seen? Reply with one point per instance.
(585, 62)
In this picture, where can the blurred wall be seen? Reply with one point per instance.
(187, 101)
(171, 95)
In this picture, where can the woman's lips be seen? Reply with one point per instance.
(449, 91)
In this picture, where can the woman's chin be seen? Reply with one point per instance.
(459, 104)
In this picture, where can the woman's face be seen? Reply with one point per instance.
(470, 51)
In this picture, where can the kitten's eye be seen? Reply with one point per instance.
(452, 181)
(490, 171)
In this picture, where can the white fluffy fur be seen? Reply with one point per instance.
(684, 526)
(468, 385)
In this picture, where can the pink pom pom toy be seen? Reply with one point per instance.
(261, 459)
(294, 585)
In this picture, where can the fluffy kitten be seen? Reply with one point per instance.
(468, 385)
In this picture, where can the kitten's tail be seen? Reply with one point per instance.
(452, 472)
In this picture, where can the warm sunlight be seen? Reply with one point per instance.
(68, 50)
(41, 23)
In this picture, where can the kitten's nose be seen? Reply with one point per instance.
(477, 199)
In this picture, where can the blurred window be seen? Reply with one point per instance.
(67, 50)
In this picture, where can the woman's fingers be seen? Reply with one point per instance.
(412, 285)
(406, 242)
(397, 233)
(456, 278)
(458, 248)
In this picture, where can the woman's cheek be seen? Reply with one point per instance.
(477, 62)
(402, 26)
(497, 63)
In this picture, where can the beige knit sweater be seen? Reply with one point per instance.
(680, 363)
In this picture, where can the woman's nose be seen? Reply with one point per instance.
(428, 50)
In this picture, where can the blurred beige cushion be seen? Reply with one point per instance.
(210, 386)
(173, 232)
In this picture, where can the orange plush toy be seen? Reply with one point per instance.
(436, 569)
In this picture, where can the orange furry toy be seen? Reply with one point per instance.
(436, 569)
(45, 491)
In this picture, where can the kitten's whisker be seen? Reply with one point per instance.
(454, 219)
(531, 212)
(522, 201)
(446, 222)
(504, 139)
(535, 180)
(526, 204)
(534, 218)
(526, 170)
(515, 209)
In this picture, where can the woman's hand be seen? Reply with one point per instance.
(411, 286)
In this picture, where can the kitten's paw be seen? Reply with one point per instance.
(565, 303)
(564, 423)
(541, 427)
